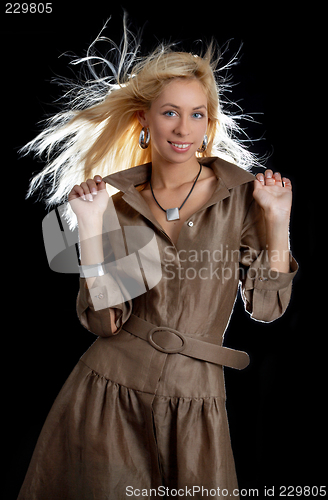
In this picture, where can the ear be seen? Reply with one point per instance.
(141, 115)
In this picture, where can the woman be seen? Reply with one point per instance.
(143, 412)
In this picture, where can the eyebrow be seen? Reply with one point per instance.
(178, 107)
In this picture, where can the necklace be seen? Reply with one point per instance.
(174, 213)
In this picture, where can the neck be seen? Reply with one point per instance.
(172, 175)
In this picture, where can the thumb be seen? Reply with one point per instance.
(100, 183)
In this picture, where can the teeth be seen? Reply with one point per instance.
(180, 146)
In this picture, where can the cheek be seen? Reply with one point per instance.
(159, 131)
(199, 131)
(203, 126)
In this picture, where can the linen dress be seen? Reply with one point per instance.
(132, 421)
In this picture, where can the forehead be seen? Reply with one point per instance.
(183, 93)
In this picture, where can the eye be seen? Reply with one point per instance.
(198, 115)
(170, 113)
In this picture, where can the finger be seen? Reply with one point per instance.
(92, 186)
(287, 183)
(268, 177)
(77, 192)
(260, 178)
(86, 190)
(100, 183)
(277, 178)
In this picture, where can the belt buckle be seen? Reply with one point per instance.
(152, 342)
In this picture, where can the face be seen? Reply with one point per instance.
(177, 120)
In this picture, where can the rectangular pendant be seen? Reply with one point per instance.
(172, 214)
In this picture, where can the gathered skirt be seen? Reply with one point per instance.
(133, 422)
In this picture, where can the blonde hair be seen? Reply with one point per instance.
(98, 131)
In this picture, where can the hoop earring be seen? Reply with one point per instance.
(144, 138)
(204, 145)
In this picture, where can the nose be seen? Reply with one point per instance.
(182, 127)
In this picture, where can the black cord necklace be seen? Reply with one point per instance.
(174, 213)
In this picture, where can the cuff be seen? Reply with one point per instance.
(94, 306)
(105, 293)
(261, 277)
(266, 293)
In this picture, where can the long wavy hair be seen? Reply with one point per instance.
(97, 130)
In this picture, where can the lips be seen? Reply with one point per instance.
(180, 146)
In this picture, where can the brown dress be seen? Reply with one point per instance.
(132, 421)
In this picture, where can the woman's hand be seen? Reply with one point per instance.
(273, 194)
(89, 198)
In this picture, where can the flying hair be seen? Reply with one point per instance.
(97, 130)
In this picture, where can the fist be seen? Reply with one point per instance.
(273, 193)
(89, 198)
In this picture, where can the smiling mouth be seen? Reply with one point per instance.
(179, 145)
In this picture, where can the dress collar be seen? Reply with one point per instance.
(228, 174)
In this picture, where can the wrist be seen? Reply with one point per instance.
(276, 216)
(90, 219)
(92, 270)
(90, 226)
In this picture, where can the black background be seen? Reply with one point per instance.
(276, 405)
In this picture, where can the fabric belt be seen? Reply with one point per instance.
(170, 341)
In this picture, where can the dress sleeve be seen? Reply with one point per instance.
(93, 306)
(107, 292)
(265, 292)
